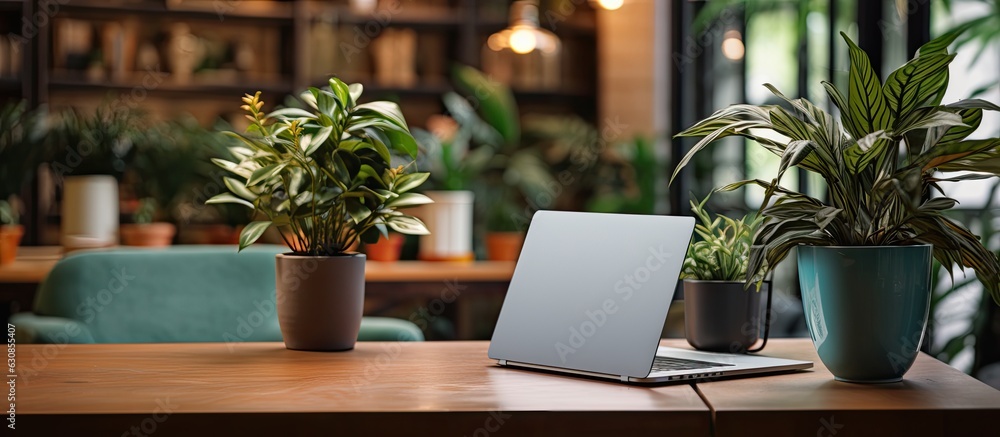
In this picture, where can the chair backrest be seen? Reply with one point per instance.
(177, 294)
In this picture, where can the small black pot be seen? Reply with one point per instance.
(722, 316)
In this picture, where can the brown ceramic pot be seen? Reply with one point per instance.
(504, 246)
(386, 249)
(320, 300)
(10, 238)
(157, 234)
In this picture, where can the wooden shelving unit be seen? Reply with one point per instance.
(283, 50)
(463, 24)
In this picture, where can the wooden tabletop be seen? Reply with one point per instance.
(932, 400)
(34, 263)
(432, 388)
(31, 265)
(452, 388)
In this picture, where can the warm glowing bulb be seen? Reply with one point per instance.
(522, 41)
(610, 4)
(732, 45)
(732, 48)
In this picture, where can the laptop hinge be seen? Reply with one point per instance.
(502, 362)
(624, 378)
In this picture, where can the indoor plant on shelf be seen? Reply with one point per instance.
(11, 230)
(865, 257)
(719, 313)
(90, 153)
(164, 168)
(323, 178)
(490, 156)
(145, 231)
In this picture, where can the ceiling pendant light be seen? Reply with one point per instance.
(524, 35)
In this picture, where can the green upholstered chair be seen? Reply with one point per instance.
(177, 294)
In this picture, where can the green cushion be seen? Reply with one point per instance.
(177, 294)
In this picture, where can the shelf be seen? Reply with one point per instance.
(11, 5)
(438, 90)
(195, 88)
(218, 10)
(426, 17)
(10, 84)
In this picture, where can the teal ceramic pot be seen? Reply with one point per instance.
(866, 307)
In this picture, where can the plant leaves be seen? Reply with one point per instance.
(251, 232)
(868, 109)
(228, 198)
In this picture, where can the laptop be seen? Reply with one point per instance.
(590, 294)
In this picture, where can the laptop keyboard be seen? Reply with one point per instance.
(666, 364)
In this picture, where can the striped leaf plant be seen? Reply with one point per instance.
(883, 160)
(722, 247)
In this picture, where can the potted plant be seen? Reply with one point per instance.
(145, 231)
(489, 156)
(162, 171)
(505, 235)
(323, 178)
(21, 134)
(454, 166)
(10, 232)
(719, 314)
(386, 249)
(90, 153)
(864, 258)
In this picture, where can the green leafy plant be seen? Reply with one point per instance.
(145, 213)
(323, 177)
(165, 165)
(9, 214)
(882, 172)
(722, 250)
(95, 142)
(626, 180)
(22, 134)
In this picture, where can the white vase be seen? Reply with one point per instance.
(89, 212)
(449, 219)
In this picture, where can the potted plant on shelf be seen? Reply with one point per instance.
(323, 178)
(22, 133)
(720, 315)
(484, 152)
(145, 231)
(864, 258)
(90, 153)
(504, 236)
(162, 171)
(454, 166)
(10, 231)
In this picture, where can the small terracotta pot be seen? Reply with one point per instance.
(10, 238)
(224, 234)
(320, 300)
(386, 249)
(504, 246)
(157, 234)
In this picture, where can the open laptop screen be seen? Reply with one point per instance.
(591, 291)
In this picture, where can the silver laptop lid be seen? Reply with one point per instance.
(591, 291)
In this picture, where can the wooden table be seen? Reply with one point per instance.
(389, 285)
(432, 388)
(932, 400)
(452, 388)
